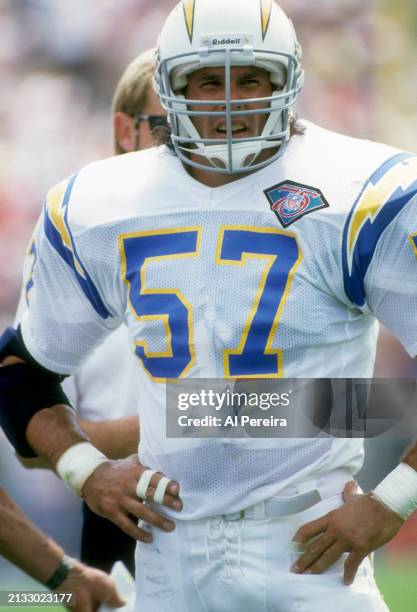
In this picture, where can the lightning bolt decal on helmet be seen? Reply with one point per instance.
(266, 7)
(188, 6)
(202, 33)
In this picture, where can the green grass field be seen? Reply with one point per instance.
(398, 583)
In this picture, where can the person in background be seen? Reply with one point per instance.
(33, 552)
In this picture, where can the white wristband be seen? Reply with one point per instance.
(77, 464)
(398, 490)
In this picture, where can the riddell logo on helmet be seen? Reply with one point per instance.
(226, 40)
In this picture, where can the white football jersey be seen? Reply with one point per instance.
(282, 273)
(106, 386)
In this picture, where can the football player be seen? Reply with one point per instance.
(250, 247)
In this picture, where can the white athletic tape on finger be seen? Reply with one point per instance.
(143, 483)
(77, 463)
(160, 490)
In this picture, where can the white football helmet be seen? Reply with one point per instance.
(201, 33)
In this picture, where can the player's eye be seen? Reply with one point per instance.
(210, 84)
(250, 82)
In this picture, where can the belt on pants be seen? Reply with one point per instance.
(277, 507)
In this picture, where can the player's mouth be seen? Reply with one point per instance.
(239, 130)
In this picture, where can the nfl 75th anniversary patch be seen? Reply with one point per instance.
(290, 201)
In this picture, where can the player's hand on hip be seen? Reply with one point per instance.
(358, 527)
(111, 491)
(91, 588)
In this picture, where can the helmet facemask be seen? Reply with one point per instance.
(229, 155)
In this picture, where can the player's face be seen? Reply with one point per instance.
(152, 107)
(246, 82)
(133, 133)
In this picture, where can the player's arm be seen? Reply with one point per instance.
(116, 438)
(383, 281)
(110, 487)
(410, 457)
(40, 557)
(362, 525)
(113, 489)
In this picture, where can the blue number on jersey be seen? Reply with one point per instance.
(168, 305)
(255, 357)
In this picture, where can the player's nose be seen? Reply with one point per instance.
(237, 95)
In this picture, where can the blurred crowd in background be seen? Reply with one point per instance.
(60, 61)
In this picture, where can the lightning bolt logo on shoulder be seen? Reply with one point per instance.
(58, 233)
(383, 197)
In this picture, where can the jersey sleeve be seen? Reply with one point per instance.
(391, 282)
(27, 280)
(380, 249)
(66, 315)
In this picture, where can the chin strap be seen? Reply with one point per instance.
(244, 154)
(218, 155)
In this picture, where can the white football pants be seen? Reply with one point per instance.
(234, 564)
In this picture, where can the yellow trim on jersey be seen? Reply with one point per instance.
(413, 244)
(266, 8)
(29, 249)
(376, 196)
(189, 9)
(164, 317)
(55, 212)
(271, 260)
